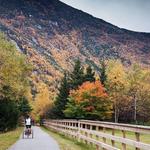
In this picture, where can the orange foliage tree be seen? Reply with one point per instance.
(89, 101)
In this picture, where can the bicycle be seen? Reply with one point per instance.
(28, 133)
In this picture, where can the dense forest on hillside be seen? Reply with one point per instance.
(52, 35)
(118, 93)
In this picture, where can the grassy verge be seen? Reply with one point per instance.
(66, 143)
(9, 138)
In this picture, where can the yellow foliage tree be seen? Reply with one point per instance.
(42, 102)
(139, 89)
(14, 70)
(117, 85)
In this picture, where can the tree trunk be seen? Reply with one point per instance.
(116, 113)
(135, 109)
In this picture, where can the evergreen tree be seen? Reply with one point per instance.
(103, 75)
(77, 76)
(89, 76)
(9, 114)
(24, 106)
(61, 99)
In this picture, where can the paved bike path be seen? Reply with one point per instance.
(41, 141)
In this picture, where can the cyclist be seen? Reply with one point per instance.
(28, 123)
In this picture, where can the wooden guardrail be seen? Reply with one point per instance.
(101, 134)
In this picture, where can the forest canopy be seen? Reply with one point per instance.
(120, 94)
(14, 84)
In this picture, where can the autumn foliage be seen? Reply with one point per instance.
(89, 101)
(42, 101)
(92, 89)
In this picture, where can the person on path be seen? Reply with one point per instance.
(28, 123)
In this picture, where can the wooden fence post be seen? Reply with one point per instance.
(97, 129)
(97, 138)
(104, 130)
(91, 127)
(104, 139)
(78, 134)
(124, 136)
(112, 141)
(137, 136)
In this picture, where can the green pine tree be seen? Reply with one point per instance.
(9, 114)
(24, 106)
(77, 76)
(61, 99)
(103, 75)
(89, 75)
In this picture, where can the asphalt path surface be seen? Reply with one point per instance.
(40, 141)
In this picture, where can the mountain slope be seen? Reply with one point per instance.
(53, 34)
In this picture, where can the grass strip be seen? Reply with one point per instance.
(66, 143)
(9, 138)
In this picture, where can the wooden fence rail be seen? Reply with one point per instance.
(99, 133)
